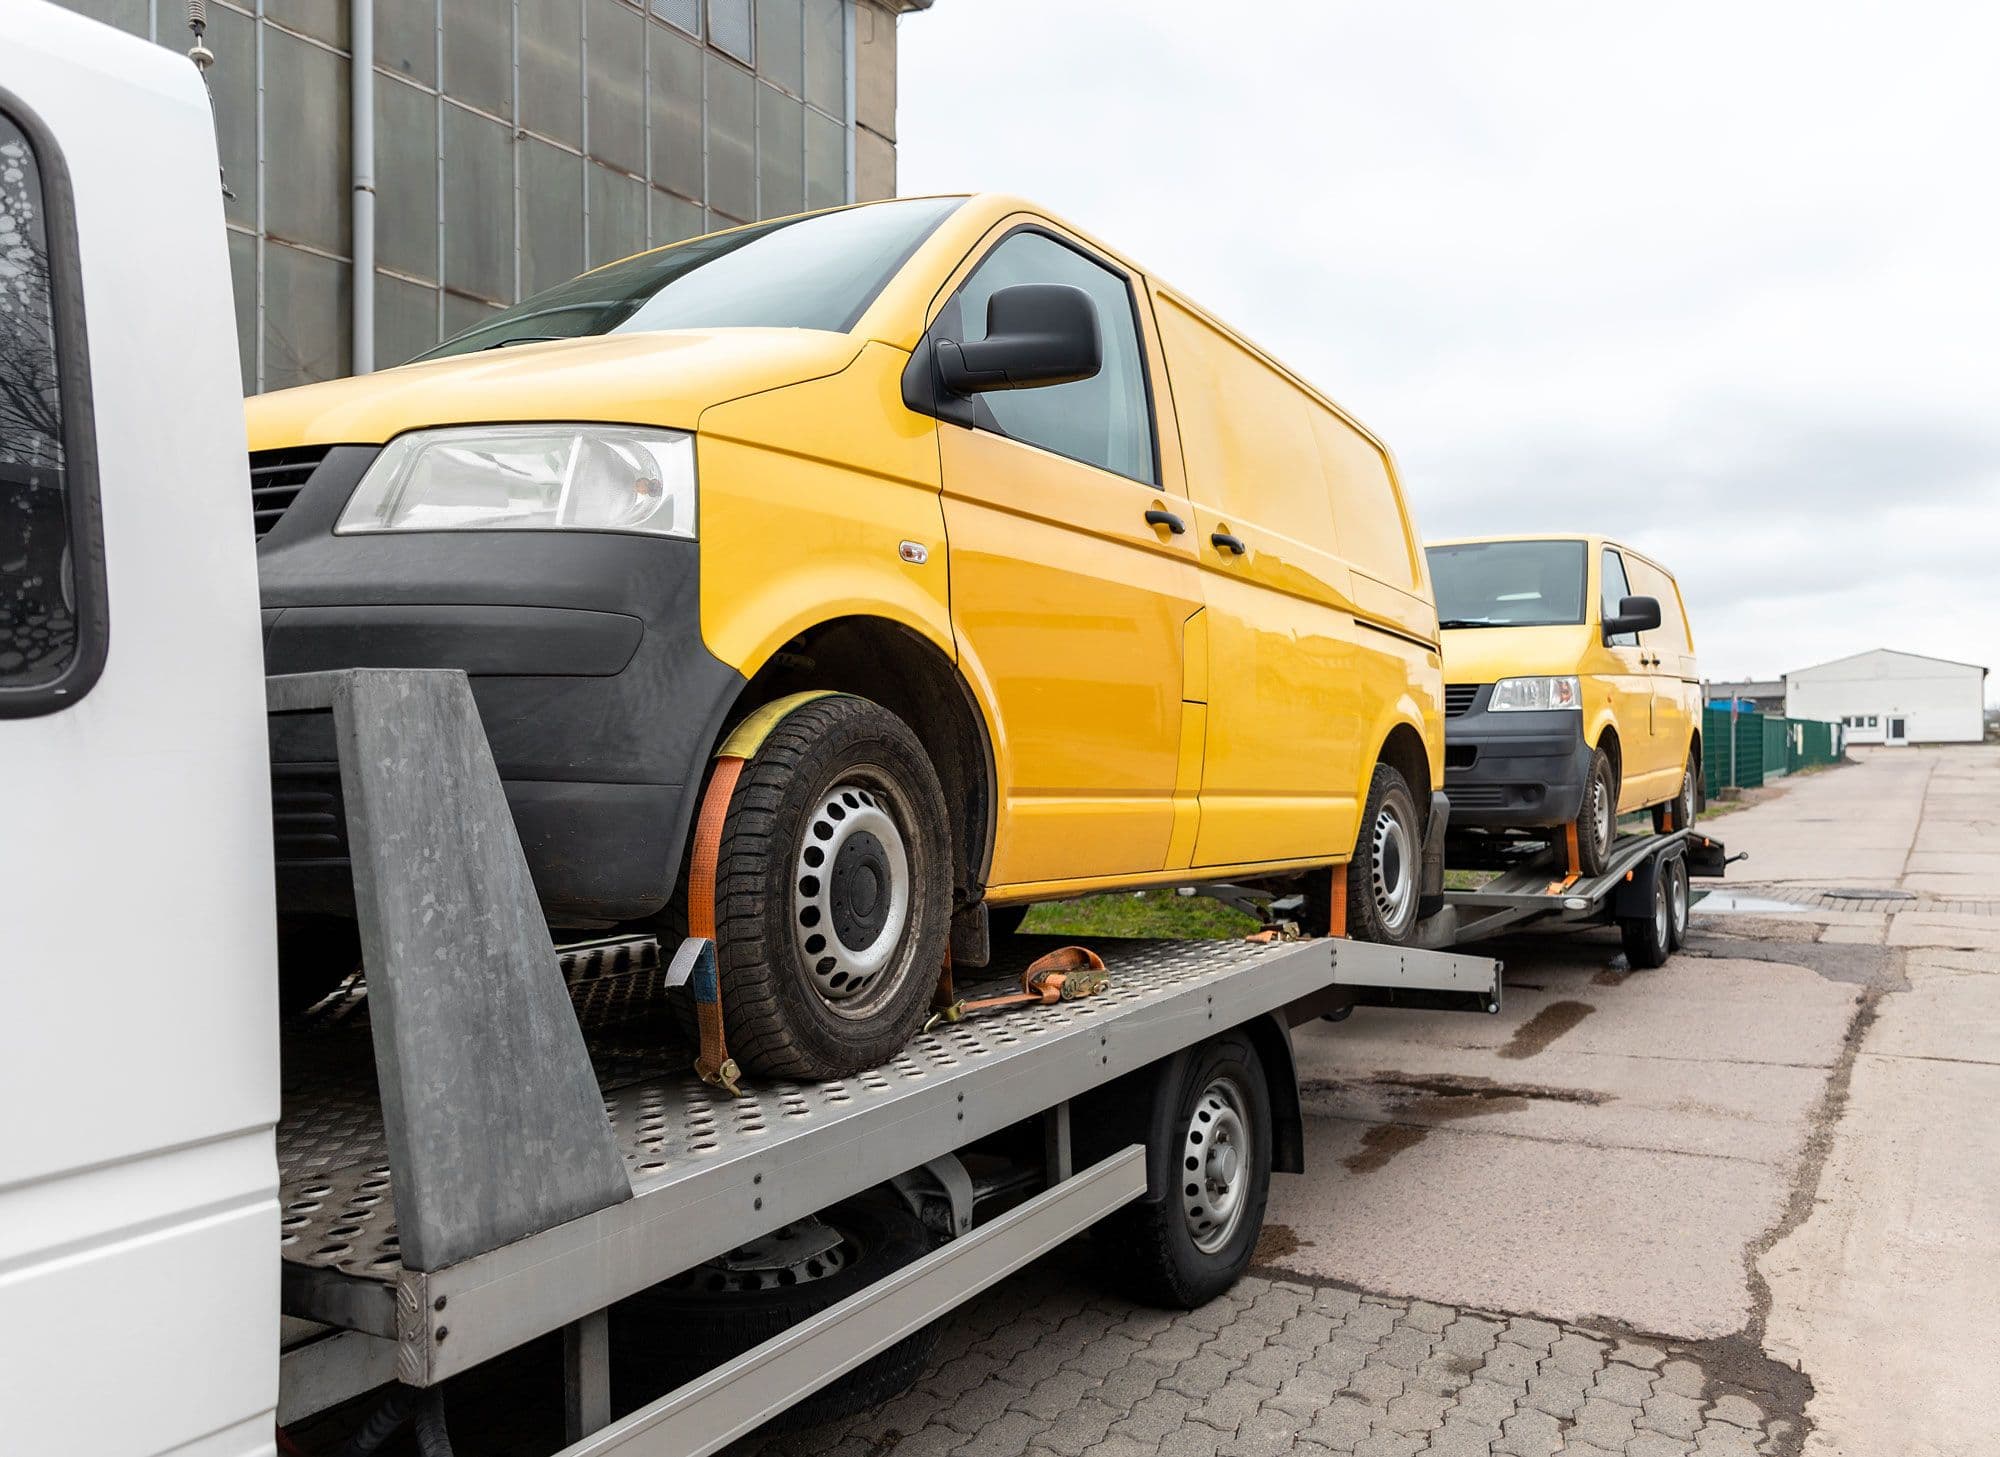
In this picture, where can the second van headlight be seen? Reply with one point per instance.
(1532, 693)
(529, 477)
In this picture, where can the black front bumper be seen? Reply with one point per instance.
(585, 656)
(1514, 770)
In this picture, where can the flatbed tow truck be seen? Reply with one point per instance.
(485, 1143)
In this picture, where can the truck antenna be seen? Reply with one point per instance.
(203, 58)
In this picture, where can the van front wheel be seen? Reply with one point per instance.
(833, 893)
(1597, 817)
(1384, 877)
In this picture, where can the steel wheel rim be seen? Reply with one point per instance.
(1687, 799)
(1603, 814)
(1663, 912)
(851, 884)
(1392, 869)
(1677, 899)
(1215, 1165)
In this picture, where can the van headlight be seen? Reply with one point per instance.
(1511, 694)
(529, 478)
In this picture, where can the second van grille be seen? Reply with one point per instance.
(1458, 698)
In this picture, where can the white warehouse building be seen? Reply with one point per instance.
(1886, 697)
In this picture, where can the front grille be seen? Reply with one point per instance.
(1458, 698)
(1478, 796)
(1460, 756)
(276, 478)
(308, 816)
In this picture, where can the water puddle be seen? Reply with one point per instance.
(1735, 903)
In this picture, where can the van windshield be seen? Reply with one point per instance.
(815, 272)
(1509, 583)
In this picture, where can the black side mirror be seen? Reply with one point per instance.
(1036, 334)
(1635, 614)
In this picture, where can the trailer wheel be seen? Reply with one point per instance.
(1677, 902)
(673, 1332)
(833, 893)
(1649, 938)
(1384, 879)
(1685, 804)
(1208, 1155)
(1597, 817)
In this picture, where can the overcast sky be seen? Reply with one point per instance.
(1722, 280)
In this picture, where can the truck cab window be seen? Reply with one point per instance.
(1105, 421)
(42, 624)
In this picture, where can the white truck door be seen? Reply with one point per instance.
(138, 1014)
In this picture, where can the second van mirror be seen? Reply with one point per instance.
(1635, 614)
(1036, 334)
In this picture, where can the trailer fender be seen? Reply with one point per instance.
(1138, 1107)
(1634, 895)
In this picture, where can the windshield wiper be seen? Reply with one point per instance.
(1469, 622)
(525, 339)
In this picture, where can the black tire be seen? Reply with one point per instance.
(672, 1333)
(1597, 816)
(1678, 813)
(1153, 1249)
(315, 955)
(791, 919)
(1676, 871)
(1385, 876)
(1005, 921)
(1649, 938)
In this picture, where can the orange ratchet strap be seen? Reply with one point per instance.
(1065, 974)
(1574, 861)
(713, 1065)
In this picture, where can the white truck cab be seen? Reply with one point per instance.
(138, 1194)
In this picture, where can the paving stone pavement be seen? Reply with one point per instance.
(1046, 1364)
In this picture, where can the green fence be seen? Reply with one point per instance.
(1768, 747)
(1746, 770)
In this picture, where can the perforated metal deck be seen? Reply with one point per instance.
(709, 1171)
(337, 1193)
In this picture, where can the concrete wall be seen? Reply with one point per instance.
(1940, 702)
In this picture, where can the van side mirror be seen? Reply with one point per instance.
(1635, 614)
(1036, 334)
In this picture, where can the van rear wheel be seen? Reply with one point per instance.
(1383, 878)
(1683, 807)
(833, 893)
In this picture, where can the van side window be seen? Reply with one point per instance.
(1105, 421)
(1615, 587)
(51, 642)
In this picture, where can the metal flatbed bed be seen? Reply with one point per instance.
(710, 1171)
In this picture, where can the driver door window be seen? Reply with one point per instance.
(1106, 420)
(1616, 588)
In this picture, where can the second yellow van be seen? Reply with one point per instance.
(1092, 593)
(1571, 694)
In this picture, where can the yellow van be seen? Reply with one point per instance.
(1571, 691)
(1097, 595)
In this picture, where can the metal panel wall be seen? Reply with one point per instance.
(517, 142)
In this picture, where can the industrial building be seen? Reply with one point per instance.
(496, 147)
(1887, 697)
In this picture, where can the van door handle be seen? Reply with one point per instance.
(1167, 519)
(1226, 542)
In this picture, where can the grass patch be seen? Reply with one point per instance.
(1159, 914)
(1718, 807)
